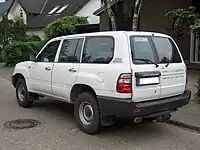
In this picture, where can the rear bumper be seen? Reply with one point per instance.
(126, 108)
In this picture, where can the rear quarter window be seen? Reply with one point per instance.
(98, 50)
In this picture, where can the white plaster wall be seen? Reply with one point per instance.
(40, 33)
(15, 10)
(89, 9)
(1, 1)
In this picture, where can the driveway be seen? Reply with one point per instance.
(58, 129)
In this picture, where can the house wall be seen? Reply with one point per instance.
(15, 10)
(1, 1)
(40, 33)
(88, 9)
(152, 18)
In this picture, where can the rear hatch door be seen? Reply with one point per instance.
(173, 69)
(146, 74)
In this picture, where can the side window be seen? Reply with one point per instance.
(71, 51)
(98, 50)
(141, 49)
(49, 52)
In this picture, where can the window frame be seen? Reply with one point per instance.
(71, 38)
(98, 36)
(58, 49)
(155, 53)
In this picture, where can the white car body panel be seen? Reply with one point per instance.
(58, 81)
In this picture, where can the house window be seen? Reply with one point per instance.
(62, 9)
(21, 13)
(53, 10)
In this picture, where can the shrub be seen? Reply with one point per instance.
(64, 26)
(20, 51)
(33, 38)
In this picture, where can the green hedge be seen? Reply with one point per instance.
(64, 26)
(20, 51)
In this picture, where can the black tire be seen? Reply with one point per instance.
(95, 124)
(26, 102)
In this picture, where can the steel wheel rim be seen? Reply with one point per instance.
(21, 92)
(86, 113)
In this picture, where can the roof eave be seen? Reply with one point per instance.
(99, 11)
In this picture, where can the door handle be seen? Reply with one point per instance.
(72, 70)
(48, 68)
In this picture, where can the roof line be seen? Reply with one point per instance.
(10, 7)
(43, 6)
(102, 9)
(80, 7)
(20, 4)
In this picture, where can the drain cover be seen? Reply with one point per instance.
(21, 124)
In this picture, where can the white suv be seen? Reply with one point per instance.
(107, 75)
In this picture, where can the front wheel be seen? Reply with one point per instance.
(22, 94)
(87, 113)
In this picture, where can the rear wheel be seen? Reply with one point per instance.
(87, 113)
(22, 94)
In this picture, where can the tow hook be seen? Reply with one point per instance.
(163, 118)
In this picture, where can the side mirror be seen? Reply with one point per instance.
(32, 58)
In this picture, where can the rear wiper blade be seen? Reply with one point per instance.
(168, 63)
(147, 61)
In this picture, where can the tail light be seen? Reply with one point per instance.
(124, 83)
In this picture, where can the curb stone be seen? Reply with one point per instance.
(184, 125)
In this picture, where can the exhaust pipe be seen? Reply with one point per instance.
(138, 120)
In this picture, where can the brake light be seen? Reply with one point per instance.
(124, 83)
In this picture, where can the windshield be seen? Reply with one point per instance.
(156, 49)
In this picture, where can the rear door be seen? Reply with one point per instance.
(173, 70)
(146, 74)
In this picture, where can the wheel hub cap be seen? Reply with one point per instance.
(21, 93)
(86, 113)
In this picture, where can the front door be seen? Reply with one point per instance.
(66, 70)
(41, 69)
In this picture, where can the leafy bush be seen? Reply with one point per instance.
(64, 26)
(20, 51)
(33, 38)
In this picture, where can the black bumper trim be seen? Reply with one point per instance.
(126, 107)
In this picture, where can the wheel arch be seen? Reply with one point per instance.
(80, 88)
(16, 77)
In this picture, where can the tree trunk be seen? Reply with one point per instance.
(110, 14)
(137, 8)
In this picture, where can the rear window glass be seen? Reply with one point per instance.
(166, 50)
(155, 49)
(141, 49)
